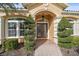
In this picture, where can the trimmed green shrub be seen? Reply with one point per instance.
(65, 45)
(65, 33)
(71, 41)
(75, 41)
(63, 24)
(11, 44)
(66, 40)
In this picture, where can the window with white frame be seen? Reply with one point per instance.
(15, 27)
(21, 28)
(12, 28)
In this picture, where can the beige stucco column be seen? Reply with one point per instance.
(76, 27)
(56, 21)
(51, 29)
(1, 30)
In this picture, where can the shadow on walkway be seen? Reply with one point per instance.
(39, 42)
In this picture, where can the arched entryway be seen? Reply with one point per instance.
(45, 25)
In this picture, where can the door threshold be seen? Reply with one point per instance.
(42, 38)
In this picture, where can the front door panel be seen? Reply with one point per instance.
(42, 30)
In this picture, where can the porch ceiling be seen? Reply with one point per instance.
(46, 14)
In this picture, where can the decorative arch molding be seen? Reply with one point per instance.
(47, 14)
(41, 11)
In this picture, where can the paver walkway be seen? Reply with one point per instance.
(48, 49)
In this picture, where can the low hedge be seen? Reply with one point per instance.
(65, 33)
(76, 41)
(66, 40)
(10, 44)
(69, 42)
(65, 45)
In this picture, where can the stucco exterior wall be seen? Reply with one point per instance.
(51, 29)
(55, 10)
(2, 36)
(76, 27)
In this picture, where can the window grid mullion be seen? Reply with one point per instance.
(17, 30)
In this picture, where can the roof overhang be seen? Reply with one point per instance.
(30, 6)
(61, 5)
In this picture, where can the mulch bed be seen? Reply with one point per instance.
(70, 52)
(20, 51)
